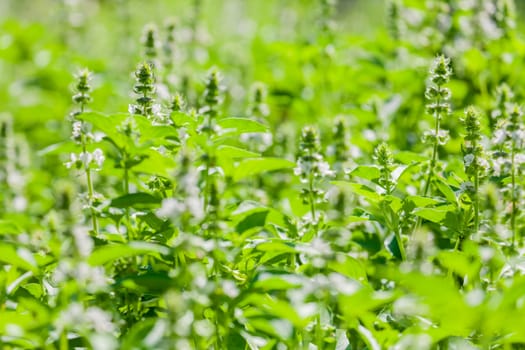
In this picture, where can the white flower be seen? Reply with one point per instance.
(98, 157)
(85, 158)
(77, 318)
(324, 169)
(195, 205)
(303, 167)
(100, 320)
(171, 208)
(468, 159)
(156, 109)
(132, 109)
(72, 162)
(83, 241)
(230, 289)
(499, 136)
(77, 130)
(519, 159)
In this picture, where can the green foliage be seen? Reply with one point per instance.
(261, 181)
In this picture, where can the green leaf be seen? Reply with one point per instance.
(134, 338)
(240, 125)
(235, 152)
(153, 133)
(256, 218)
(420, 201)
(458, 262)
(406, 157)
(277, 247)
(349, 267)
(111, 252)
(155, 163)
(9, 228)
(108, 125)
(151, 282)
(437, 215)
(368, 172)
(20, 257)
(254, 166)
(445, 189)
(267, 282)
(183, 119)
(59, 148)
(360, 189)
(368, 338)
(138, 199)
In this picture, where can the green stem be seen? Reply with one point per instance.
(208, 161)
(90, 191)
(434, 154)
(433, 162)
(126, 191)
(64, 344)
(513, 212)
(400, 245)
(476, 202)
(88, 180)
(311, 195)
(318, 332)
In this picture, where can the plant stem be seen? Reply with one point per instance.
(476, 202)
(90, 192)
(400, 245)
(64, 344)
(89, 181)
(513, 212)
(311, 195)
(434, 153)
(433, 162)
(318, 332)
(126, 191)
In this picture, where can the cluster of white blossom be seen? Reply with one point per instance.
(86, 160)
(92, 322)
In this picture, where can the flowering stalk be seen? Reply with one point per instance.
(311, 166)
(212, 100)
(151, 44)
(505, 17)
(509, 136)
(473, 158)
(393, 8)
(82, 136)
(177, 103)
(145, 89)
(385, 160)
(339, 153)
(438, 106)
(258, 107)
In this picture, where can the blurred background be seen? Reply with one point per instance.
(43, 43)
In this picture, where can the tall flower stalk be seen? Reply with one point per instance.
(151, 44)
(211, 101)
(474, 160)
(509, 140)
(145, 90)
(82, 136)
(438, 105)
(384, 158)
(311, 166)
